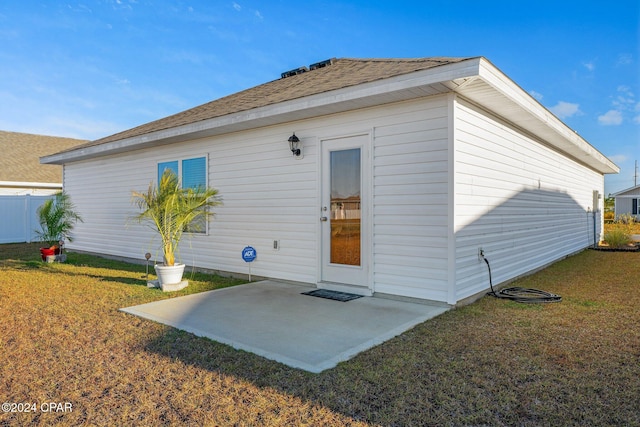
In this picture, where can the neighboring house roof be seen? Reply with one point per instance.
(20, 159)
(629, 192)
(340, 85)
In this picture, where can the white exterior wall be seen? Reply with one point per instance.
(268, 195)
(448, 178)
(624, 206)
(410, 204)
(624, 202)
(523, 203)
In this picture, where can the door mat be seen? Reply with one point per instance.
(334, 295)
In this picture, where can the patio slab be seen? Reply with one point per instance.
(274, 320)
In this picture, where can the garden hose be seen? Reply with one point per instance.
(523, 295)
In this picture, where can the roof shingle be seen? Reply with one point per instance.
(340, 74)
(21, 152)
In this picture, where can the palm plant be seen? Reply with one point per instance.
(170, 210)
(57, 217)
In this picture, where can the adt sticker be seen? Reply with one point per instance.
(249, 254)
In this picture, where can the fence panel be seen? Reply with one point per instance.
(18, 218)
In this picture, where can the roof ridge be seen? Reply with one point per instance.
(408, 59)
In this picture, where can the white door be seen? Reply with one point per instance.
(344, 212)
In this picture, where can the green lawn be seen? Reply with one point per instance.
(493, 362)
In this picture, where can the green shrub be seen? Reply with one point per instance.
(617, 238)
(57, 218)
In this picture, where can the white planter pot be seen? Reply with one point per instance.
(169, 274)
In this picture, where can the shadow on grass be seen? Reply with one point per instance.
(204, 353)
(27, 257)
(73, 261)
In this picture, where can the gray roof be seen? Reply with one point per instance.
(629, 192)
(21, 152)
(341, 73)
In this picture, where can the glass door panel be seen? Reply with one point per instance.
(345, 207)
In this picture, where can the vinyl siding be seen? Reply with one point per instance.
(624, 205)
(525, 204)
(410, 204)
(268, 195)
(624, 201)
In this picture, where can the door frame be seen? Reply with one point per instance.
(366, 240)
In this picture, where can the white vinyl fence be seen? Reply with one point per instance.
(18, 218)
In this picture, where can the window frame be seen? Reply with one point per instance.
(180, 161)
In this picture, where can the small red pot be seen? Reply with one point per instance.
(45, 252)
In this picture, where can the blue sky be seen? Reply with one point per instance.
(91, 68)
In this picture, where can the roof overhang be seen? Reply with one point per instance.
(476, 79)
(497, 92)
(632, 193)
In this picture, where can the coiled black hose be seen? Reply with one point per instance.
(524, 295)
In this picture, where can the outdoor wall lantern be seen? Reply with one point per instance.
(294, 145)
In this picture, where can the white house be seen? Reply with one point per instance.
(443, 157)
(626, 202)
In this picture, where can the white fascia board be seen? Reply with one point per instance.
(621, 194)
(569, 140)
(340, 100)
(26, 184)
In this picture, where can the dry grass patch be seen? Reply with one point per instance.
(629, 228)
(490, 363)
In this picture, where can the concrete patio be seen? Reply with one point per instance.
(274, 320)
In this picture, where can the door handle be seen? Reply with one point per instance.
(323, 218)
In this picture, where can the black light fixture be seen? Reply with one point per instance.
(294, 144)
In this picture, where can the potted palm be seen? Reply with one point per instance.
(171, 210)
(57, 217)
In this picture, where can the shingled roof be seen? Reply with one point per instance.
(333, 74)
(339, 85)
(20, 159)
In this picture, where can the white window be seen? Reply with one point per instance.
(193, 174)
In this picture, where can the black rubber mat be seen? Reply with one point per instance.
(334, 295)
